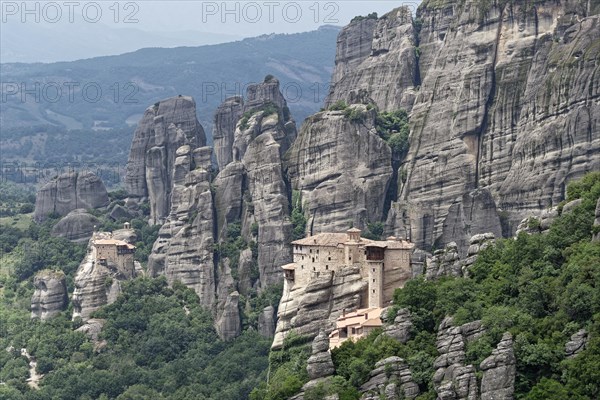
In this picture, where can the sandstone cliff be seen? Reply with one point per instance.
(68, 192)
(224, 235)
(342, 168)
(166, 126)
(377, 55)
(50, 295)
(492, 114)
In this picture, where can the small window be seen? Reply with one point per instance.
(311, 250)
(314, 268)
(313, 259)
(317, 251)
(327, 267)
(328, 258)
(373, 269)
(373, 290)
(373, 280)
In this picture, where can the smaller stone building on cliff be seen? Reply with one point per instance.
(384, 265)
(109, 251)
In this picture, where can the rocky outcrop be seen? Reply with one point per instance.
(379, 56)
(165, 127)
(453, 379)
(98, 284)
(77, 226)
(250, 191)
(229, 325)
(477, 244)
(342, 168)
(226, 118)
(449, 262)
(307, 310)
(392, 380)
(92, 329)
(320, 364)
(184, 248)
(499, 370)
(266, 322)
(95, 286)
(576, 344)
(491, 116)
(68, 192)
(50, 294)
(401, 328)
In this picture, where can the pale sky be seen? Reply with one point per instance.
(66, 30)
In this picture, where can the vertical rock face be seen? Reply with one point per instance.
(226, 118)
(68, 192)
(453, 379)
(499, 369)
(266, 322)
(50, 295)
(377, 55)
(307, 310)
(319, 364)
(250, 190)
(165, 127)
(95, 286)
(343, 170)
(492, 113)
(184, 248)
(229, 325)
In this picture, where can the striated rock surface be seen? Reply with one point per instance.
(445, 262)
(68, 192)
(499, 369)
(453, 379)
(491, 115)
(266, 322)
(50, 294)
(576, 344)
(378, 56)
(343, 170)
(164, 128)
(77, 226)
(95, 286)
(307, 310)
(226, 118)
(391, 380)
(477, 243)
(401, 328)
(320, 364)
(184, 248)
(229, 325)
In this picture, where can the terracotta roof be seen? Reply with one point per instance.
(289, 267)
(353, 230)
(113, 242)
(323, 239)
(381, 245)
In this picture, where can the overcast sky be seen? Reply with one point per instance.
(65, 30)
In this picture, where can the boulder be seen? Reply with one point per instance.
(50, 294)
(499, 371)
(77, 226)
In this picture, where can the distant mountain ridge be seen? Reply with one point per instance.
(107, 93)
